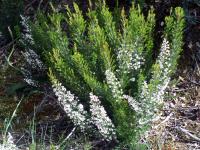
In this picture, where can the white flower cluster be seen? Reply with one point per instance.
(148, 104)
(137, 61)
(164, 61)
(114, 84)
(160, 91)
(31, 82)
(151, 98)
(27, 36)
(129, 60)
(79, 116)
(70, 104)
(28, 77)
(30, 55)
(8, 144)
(100, 118)
(33, 59)
(133, 103)
(164, 57)
(150, 101)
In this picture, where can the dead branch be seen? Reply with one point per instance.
(187, 132)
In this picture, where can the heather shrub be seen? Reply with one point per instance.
(104, 74)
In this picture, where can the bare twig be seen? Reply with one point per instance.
(69, 135)
(187, 132)
(166, 119)
(29, 5)
(195, 146)
(20, 138)
(181, 90)
(40, 107)
(194, 82)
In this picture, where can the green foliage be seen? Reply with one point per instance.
(106, 21)
(174, 32)
(81, 56)
(10, 11)
(138, 32)
(77, 25)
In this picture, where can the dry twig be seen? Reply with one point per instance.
(188, 133)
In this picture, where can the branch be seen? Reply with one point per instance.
(188, 133)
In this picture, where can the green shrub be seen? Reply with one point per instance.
(107, 67)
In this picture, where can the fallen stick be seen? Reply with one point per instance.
(188, 133)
